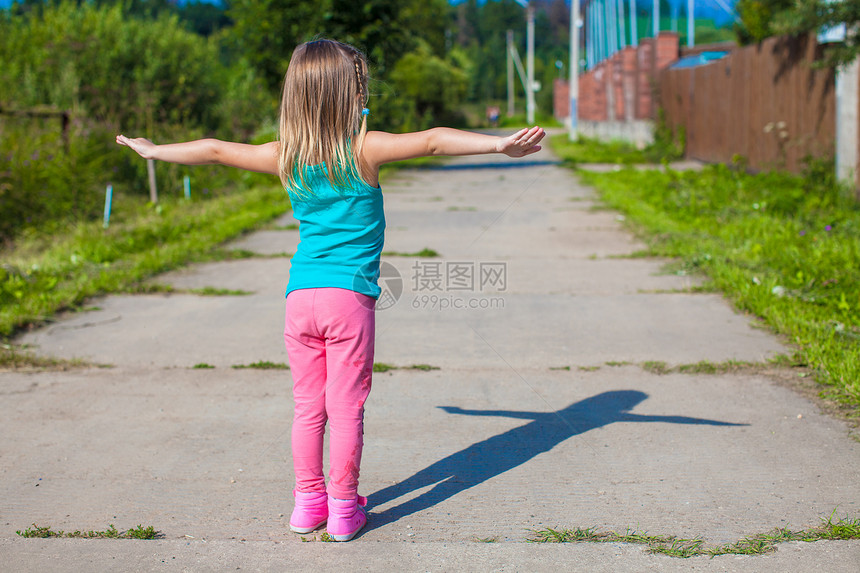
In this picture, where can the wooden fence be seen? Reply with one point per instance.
(764, 102)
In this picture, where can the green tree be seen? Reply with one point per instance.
(107, 66)
(757, 18)
(761, 19)
(265, 32)
(435, 86)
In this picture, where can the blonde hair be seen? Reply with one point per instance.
(322, 119)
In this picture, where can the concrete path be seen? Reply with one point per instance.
(537, 412)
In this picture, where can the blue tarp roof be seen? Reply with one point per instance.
(699, 59)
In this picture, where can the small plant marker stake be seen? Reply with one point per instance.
(186, 183)
(108, 201)
(153, 190)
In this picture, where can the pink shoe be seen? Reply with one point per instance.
(311, 511)
(346, 517)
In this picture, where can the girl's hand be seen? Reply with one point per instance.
(522, 143)
(261, 158)
(144, 147)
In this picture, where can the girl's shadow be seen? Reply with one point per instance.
(500, 453)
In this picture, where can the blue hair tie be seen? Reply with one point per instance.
(365, 111)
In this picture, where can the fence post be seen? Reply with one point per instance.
(108, 202)
(153, 190)
(846, 122)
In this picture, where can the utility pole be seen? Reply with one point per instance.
(573, 135)
(530, 64)
(530, 60)
(510, 73)
(691, 23)
(634, 32)
(847, 102)
(656, 15)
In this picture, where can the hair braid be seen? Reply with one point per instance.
(360, 77)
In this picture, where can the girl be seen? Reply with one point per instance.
(329, 164)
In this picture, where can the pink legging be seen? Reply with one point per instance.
(329, 335)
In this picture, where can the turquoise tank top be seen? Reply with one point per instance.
(341, 234)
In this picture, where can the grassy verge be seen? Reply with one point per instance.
(585, 150)
(782, 247)
(46, 274)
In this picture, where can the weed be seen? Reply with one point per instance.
(708, 367)
(560, 368)
(656, 367)
(202, 366)
(672, 546)
(617, 363)
(17, 358)
(701, 367)
(213, 291)
(139, 532)
(262, 365)
(423, 367)
(39, 532)
(383, 367)
(589, 368)
(424, 253)
(486, 539)
(158, 288)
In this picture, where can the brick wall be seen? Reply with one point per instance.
(627, 81)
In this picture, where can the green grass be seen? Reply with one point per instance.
(262, 365)
(518, 121)
(587, 150)
(139, 532)
(781, 247)
(214, 291)
(843, 529)
(708, 367)
(155, 288)
(385, 367)
(422, 367)
(46, 274)
(18, 358)
(425, 253)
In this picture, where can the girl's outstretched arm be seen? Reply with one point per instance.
(381, 147)
(260, 158)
